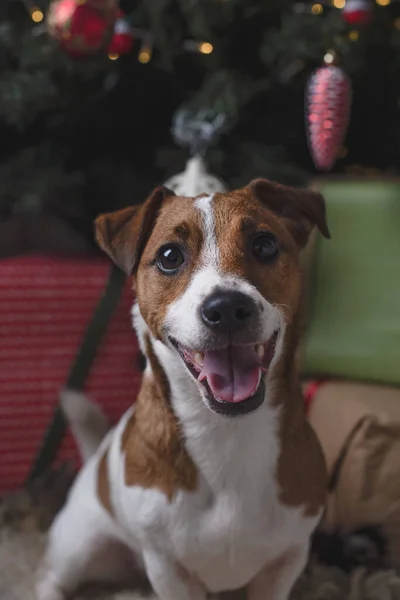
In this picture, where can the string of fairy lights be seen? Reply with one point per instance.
(318, 7)
(205, 47)
(146, 47)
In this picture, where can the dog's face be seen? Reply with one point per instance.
(218, 280)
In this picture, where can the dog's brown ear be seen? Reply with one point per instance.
(301, 209)
(123, 234)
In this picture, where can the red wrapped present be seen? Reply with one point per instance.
(45, 307)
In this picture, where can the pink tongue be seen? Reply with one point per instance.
(232, 373)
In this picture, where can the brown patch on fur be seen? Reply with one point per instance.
(238, 217)
(103, 484)
(123, 234)
(301, 209)
(301, 471)
(178, 222)
(155, 453)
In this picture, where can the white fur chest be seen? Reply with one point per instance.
(235, 523)
(226, 531)
(228, 539)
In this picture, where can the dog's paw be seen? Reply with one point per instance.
(46, 589)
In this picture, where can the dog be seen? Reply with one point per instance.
(214, 480)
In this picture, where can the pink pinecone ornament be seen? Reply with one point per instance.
(328, 104)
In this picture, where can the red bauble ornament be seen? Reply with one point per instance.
(328, 112)
(82, 27)
(122, 39)
(357, 12)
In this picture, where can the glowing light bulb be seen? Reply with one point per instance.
(383, 2)
(113, 55)
(339, 3)
(329, 58)
(317, 9)
(144, 56)
(36, 15)
(206, 48)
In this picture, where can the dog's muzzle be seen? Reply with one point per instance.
(235, 355)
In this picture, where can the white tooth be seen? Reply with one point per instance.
(260, 350)
(199, 358)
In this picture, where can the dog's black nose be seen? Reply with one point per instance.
(227, 311)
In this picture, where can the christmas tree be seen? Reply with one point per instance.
(89, 131)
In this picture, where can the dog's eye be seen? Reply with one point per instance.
(170, 258)
(265, 246)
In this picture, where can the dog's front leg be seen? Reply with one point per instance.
(277, 579)
(169, 581)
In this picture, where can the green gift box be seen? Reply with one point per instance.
(353, 324)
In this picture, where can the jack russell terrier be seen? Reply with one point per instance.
(214, 480)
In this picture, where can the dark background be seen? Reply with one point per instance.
(83, 135)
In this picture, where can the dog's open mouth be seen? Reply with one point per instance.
(231, 375)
